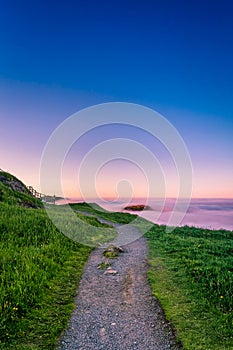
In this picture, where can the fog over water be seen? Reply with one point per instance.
(205, 213)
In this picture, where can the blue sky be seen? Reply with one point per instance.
(172, 56)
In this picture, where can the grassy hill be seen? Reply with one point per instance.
(39, 268)
(14, 191)
(191, 272)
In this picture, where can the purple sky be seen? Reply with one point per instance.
(173, 57)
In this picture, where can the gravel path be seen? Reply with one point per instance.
(117, 311)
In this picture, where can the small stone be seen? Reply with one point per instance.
(102, 331)
(110, 272)
(113, 324)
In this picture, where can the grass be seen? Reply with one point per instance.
(40, 269)
(191, 273)
(103, 265)
(8, 195)
(92, 208)
(81, 228)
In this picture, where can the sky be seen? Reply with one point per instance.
(174, 57)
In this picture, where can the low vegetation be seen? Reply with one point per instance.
(9, 194)
(103, 265)
(191, 271)
(112, 251)
(192, 275)
(92, 208)
(39, 269)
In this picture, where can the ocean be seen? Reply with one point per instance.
(208, 213)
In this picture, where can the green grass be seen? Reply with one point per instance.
(9, 176)
(191, 274)
(79, 227)
(92, 208)
(8, 195)
(39, 273)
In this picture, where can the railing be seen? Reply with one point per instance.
(44, 197)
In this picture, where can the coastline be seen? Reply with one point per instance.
(207, 213)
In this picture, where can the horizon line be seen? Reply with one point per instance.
(148, 198)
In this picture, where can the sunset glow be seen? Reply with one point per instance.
(179, 68)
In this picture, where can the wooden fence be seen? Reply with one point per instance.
(43, 197)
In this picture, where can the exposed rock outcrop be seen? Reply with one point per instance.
(137, 207)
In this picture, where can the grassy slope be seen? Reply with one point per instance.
(95, 209)
(39, 271)
(8, 195)
(191, 274)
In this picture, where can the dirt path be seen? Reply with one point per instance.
(117, 311)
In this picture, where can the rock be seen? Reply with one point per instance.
(110, 271)
(112, 251)
(102, 331)
(103, 265)
(137, 207)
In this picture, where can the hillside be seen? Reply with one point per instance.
(39, 267)
(14, 191)
(190, 271)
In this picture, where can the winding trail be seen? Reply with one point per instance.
(118, 311)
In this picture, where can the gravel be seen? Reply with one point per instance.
(116, 311)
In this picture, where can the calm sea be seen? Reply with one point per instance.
(206, 213)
